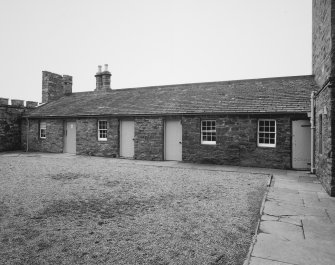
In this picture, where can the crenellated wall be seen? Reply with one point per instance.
(10, 122)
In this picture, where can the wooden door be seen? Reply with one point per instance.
(173, 140)
(301, 144)
(70, 138)
(127, 130)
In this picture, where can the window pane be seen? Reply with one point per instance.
(102, 129)
(42, 133)
(208, 131)
(267, 132)
(43, 125)
(102, 124)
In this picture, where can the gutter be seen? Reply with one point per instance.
(312, 131)
(263, 113)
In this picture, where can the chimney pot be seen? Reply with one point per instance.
(99, 68)
(106, 67)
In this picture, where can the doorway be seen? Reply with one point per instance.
(173, 140)
(301, 144)
(127, 130)
(70, 137)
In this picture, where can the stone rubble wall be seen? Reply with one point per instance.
(323, 38)
(236, 139)
(324, 145)
(236, 142)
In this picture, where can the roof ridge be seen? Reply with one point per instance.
(223, 82)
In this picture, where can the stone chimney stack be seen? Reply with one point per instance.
(98, 77)
(55, 86)
(67, 84)
(103, 80)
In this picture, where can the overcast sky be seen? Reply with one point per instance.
(151, 42)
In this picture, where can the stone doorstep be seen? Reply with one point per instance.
(292, 252)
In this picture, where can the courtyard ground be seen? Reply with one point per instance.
(61, 209)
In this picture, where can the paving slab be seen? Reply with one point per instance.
(282, 190)
(308, 196)
(323, 194)
(288, 197)
(285, 209)
(272, 248)
(300, 186)
(260, 261)
(331, 215)
(294, 220)
(284, 231)
(315, 230)
(266, 217)
(297, 219)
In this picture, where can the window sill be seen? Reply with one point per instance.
(208, 143)
(266, 146)
(102, 140)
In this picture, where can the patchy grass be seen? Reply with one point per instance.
(84, 210)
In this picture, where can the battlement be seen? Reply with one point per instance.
(18, 103)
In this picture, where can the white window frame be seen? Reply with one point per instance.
(102, 130)
(43, 130)
(204, 123)
(266, 131)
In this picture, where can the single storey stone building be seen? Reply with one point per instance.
(259, 122)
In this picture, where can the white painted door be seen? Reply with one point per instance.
(127, 130)
(301, 144)
(173, 140)
(70, 138)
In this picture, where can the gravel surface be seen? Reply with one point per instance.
(89, 210)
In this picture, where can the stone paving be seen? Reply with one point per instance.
(297, 224)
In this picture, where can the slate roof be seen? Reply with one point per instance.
(268, 95)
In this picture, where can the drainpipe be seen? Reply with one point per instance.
(27, 135)
(312, 132)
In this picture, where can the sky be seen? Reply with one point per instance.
(151, 42)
